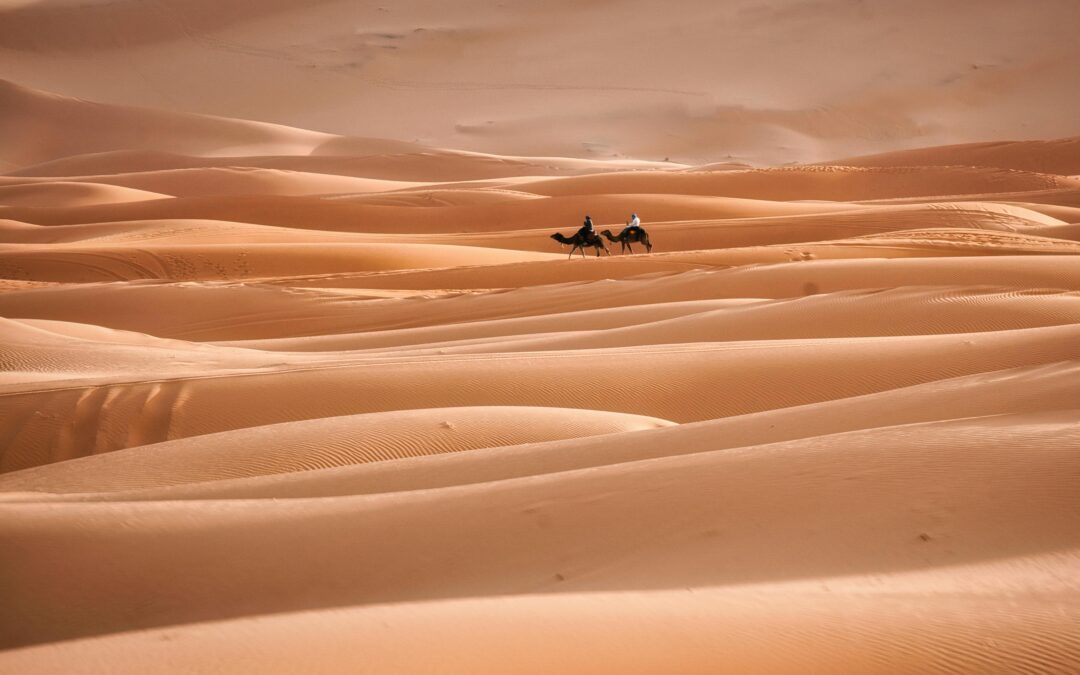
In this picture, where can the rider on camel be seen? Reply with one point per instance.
(634, 224)
(587, 231)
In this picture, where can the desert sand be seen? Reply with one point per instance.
(301, 383)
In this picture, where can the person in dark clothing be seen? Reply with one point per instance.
(587, 231)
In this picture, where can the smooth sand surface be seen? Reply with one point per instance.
(1056, 156)
(762, 82)
(285, 400)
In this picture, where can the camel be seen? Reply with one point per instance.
(626, 236)
(580, 241)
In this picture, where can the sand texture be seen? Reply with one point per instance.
(319, 393)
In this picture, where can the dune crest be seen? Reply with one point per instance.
(276, 399)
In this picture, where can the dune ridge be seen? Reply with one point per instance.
(1057, 156)
(276, 399)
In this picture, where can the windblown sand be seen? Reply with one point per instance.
(278, 401)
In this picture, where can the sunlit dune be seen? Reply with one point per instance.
(1058, 156)
(306, 366)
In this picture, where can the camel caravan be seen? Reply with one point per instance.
(586, 236)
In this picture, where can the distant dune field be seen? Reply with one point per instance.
(277, 400)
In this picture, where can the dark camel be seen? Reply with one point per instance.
(580, 241)
(637, 234)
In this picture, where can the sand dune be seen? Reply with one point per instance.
(75, 193)
(726, 622)
(242, 311)
(36, 351)
(821, 182)
(407, 164)
(766, 83)
(38, 129)
(225, 261)
(667, 236)
(320, 444)
(796, 281)
(39, 126)
(461, 265)
(1058, 156)
(127, 411)
(843, 314)
(212, 182)
(692, 223)
(639, 528)
(1025, 390)
(295, 398)
(560, 213)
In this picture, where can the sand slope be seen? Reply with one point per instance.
(282, 400)
(71, 192)
(725, 623)
(1059, 156)
(672, 525)
(39, 126)
(323, 443)
(762, 83)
